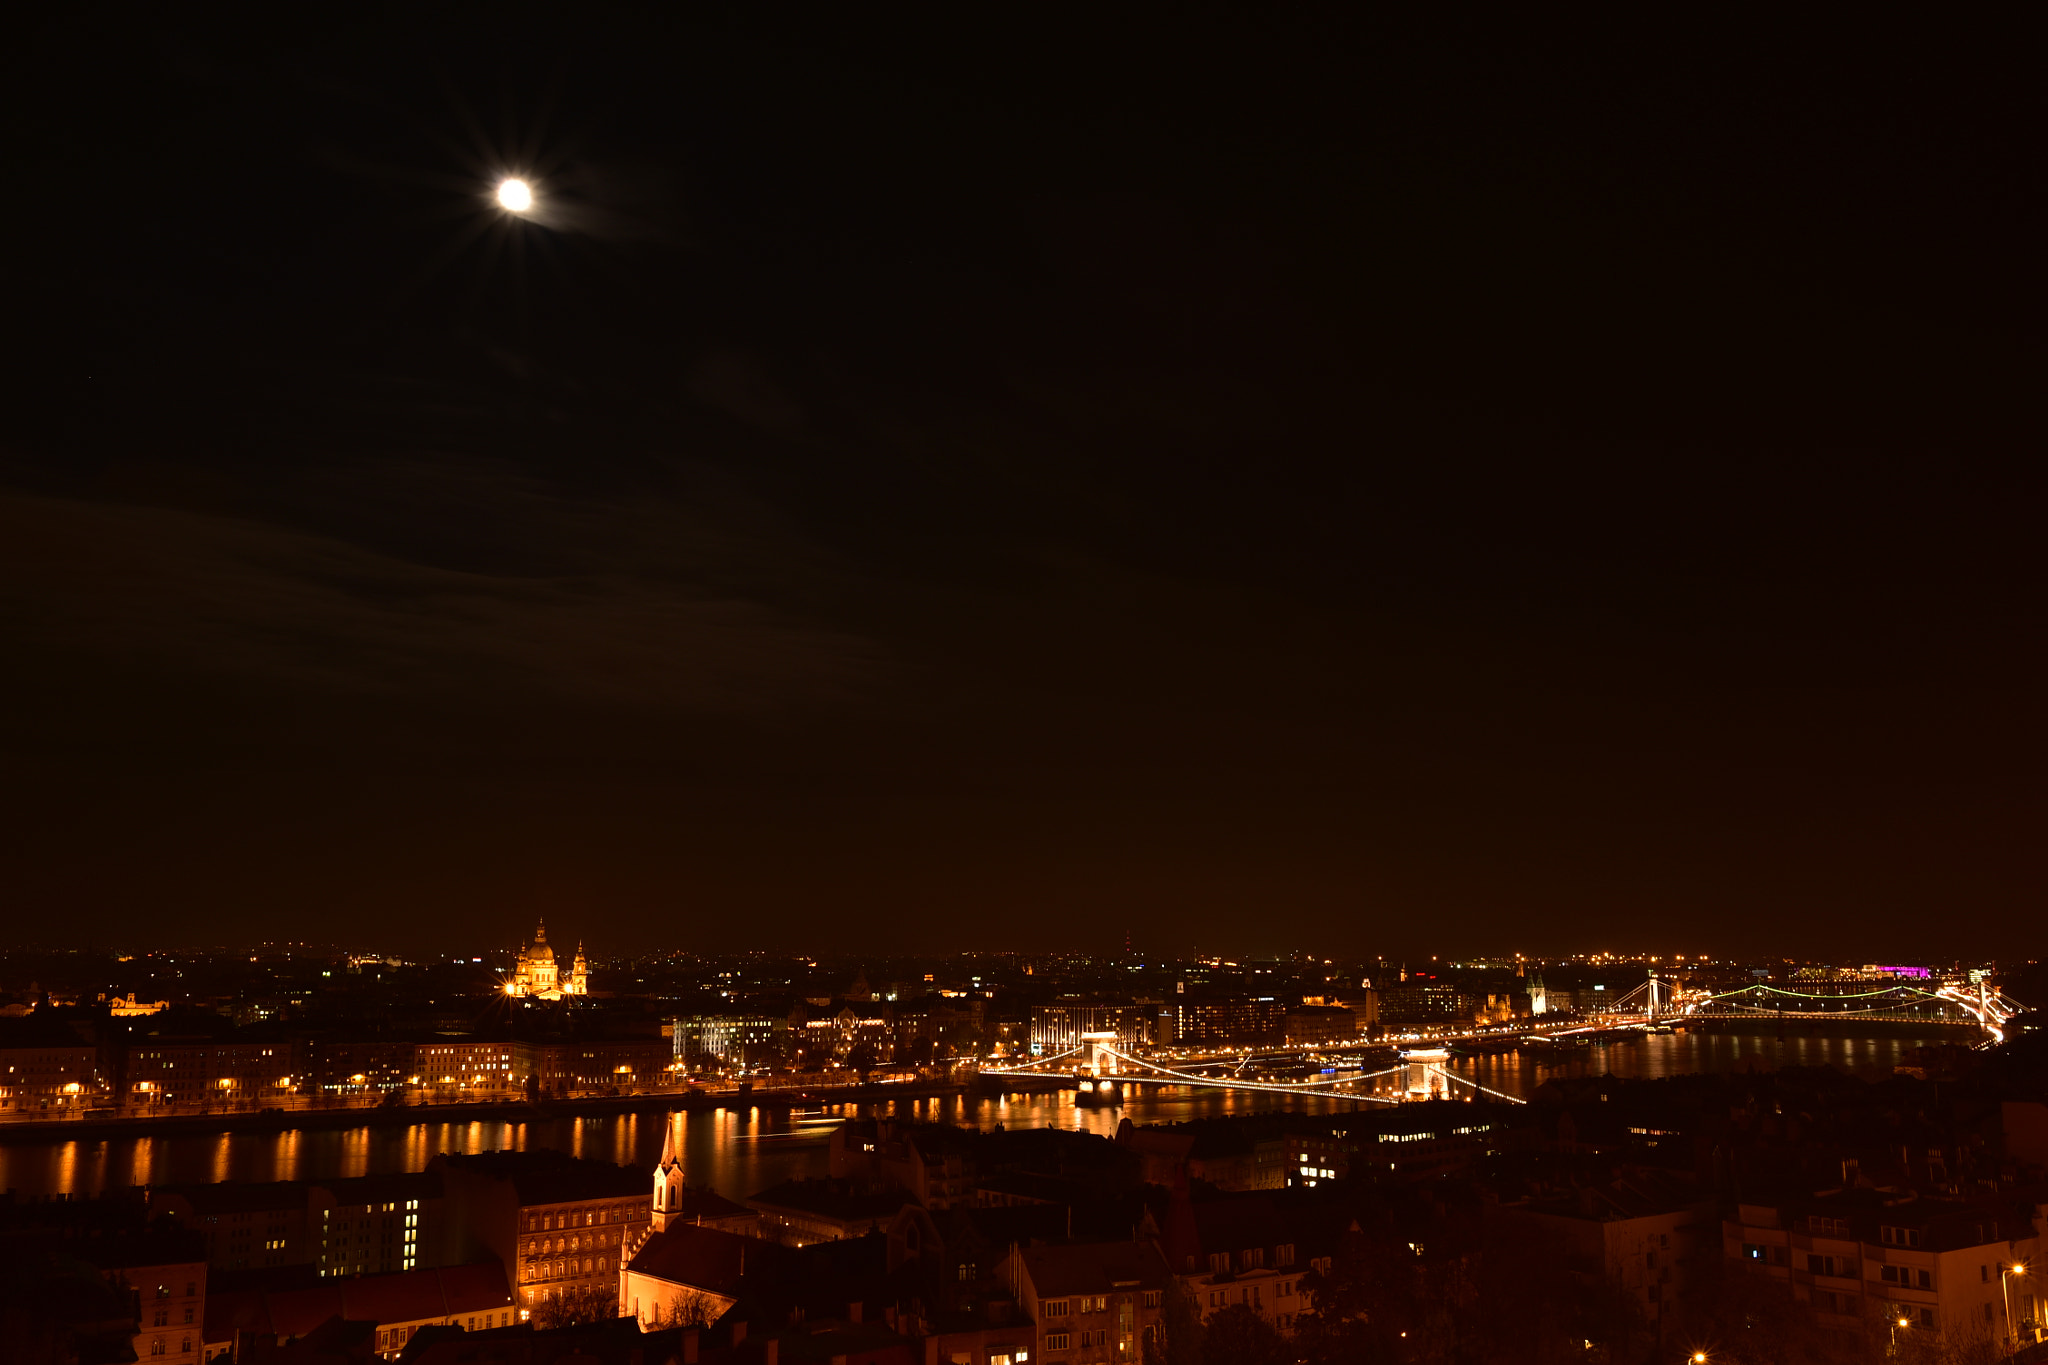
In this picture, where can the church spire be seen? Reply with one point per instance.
(668, 1181)
(668, 1145)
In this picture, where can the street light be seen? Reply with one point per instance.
(2005, 1283)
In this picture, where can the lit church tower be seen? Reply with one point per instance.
(668, 1182)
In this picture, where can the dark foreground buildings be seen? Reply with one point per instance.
(1801, 1214)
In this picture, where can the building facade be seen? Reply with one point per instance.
(1865, 1261)
(1058, 1027)
(558, 1224)
(233, 1075)
(536, 973)
(455, 1071)
(1084, 1302)
(726, 1040)
(1246, 1019)
(50, 1079)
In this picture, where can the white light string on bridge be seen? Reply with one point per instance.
(1765, 1011)
(1027, 1068)
(1826, 995)
(1306, 1088)
(1194, 1076)
(1988, 1008)
(1511, 1099)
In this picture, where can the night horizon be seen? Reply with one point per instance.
(1310, 482)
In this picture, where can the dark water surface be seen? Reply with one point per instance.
(739, 1152)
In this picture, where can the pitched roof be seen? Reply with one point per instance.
(845, 1200)
(407, 1296)
(705, 1258)
(375, 1189)
(544, 1176)
(1094, 1268)
(707, 1204)
(1237, 1225)
(237, 1196)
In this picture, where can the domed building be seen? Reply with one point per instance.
(536, 973)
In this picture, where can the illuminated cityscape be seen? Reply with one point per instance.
(998, 1112)
(1312, 684)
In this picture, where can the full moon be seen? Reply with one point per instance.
(515, 195)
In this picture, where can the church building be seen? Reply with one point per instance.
(536, 973)
(686, 1268)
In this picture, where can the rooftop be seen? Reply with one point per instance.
(1094, 1268)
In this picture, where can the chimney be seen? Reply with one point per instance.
(853, 1310)
(739, 1333)
(771, 1352)
(931, 1351)
(689, 1346)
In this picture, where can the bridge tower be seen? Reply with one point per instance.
(1426, 1078)
(1654, 983)
(1097, 1053)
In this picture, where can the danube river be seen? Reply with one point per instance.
(738, 1152)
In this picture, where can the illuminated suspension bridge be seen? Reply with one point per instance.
(1423, 1070)
(1097, 1063)
(1906, 1001)
(1657, 1000)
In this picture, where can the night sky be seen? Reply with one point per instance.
(1006, 478)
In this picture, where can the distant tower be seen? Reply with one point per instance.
(668, 1181)
(579, 974)
(1539, 1002)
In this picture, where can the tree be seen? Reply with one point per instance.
(1239, 1335)
(686, 1308)
(577, 1305)
(1362, 1309)
(1180, 1329)
(861, 1060)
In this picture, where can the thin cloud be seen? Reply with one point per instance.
(209, 595)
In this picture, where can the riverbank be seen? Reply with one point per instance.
(490, 1111)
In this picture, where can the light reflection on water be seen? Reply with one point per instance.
(739, 1152)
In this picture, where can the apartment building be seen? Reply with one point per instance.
(262, 1324)
(557, 1224)
(1232, 1252)
(163, 1278)
(737, 1040)
(163, 1073)
(241, 1224)
(1874, 1258)
(1057, 1028)
(459, 1070)
(377, 1224)
(50, 1078)
(583, 1068)
(1084, 1302)
(933, 1163)
(1646, 1232)
(335, 1067)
